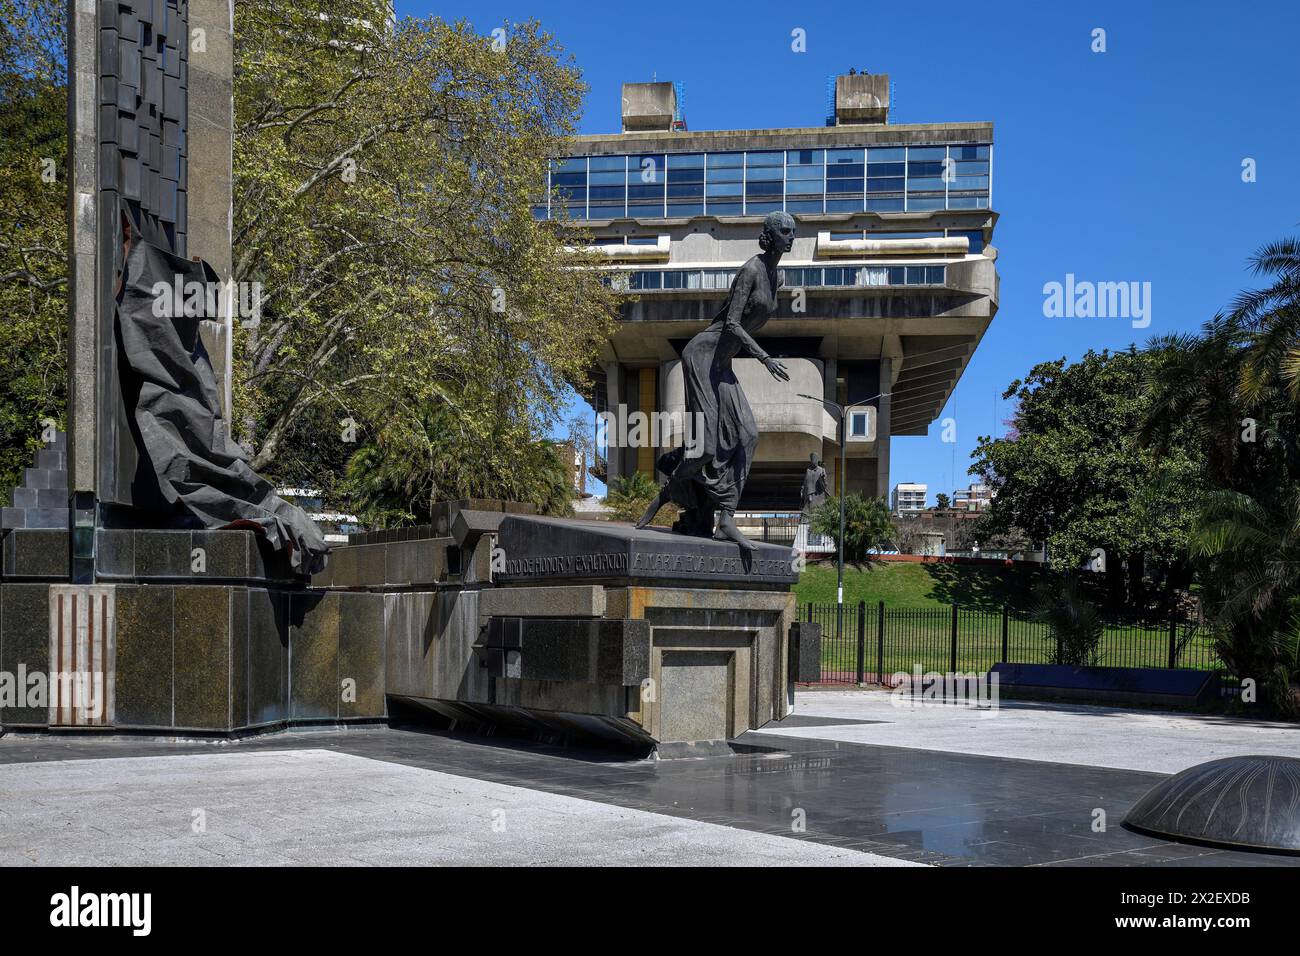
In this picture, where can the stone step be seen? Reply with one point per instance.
(40, 498)
(13, 517)
(45, 517)
(45, 478)
(51, 458)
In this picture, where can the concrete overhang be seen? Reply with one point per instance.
(925, 246)
(800, 425)
(628, 252)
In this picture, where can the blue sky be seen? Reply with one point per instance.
(1117, 166)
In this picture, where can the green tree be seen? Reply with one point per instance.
(1234, 388)
(398, 476)
(941, 501)
(868, 525)
(629, 496)
(385, 173)
(1074, 623)
(33, 228)
(1073, 473)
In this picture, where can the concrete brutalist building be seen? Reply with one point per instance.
(889, 288)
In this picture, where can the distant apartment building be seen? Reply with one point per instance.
(889, 288)
(908, 498)
(974, 498)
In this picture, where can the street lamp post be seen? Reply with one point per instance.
(842, 412)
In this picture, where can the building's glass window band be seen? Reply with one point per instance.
(756, 182)
(654, 280)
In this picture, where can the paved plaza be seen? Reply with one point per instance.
(849, 779)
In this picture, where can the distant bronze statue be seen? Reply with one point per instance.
(707, 475)
(813, 492)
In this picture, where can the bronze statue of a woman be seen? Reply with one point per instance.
(708, 475)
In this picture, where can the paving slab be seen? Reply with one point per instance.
(320, 807)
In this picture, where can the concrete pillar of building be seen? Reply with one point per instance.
(613, 397)
(833, 451)
(882, 428)
(647, 401)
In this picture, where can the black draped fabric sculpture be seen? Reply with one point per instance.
(188, 464)
(707, 475)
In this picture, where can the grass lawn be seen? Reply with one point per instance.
(900, 584)
(918, 628)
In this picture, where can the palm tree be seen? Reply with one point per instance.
(1234, 393)
(1252, 579)
(868, 525)
(1074, 624)
(1273, 313)
(629, 496)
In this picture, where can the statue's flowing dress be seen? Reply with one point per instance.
(711, 473)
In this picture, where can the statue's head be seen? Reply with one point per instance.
(814, 460)
(778, 232)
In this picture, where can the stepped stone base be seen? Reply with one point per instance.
(668, 640)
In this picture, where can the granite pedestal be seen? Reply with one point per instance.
(495, 619)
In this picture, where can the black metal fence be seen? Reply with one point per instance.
(864, 643)
(774, 530)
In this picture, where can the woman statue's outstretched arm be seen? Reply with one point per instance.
(740, 294)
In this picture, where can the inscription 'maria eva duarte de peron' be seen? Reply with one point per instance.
(614, 563)
(533, 548)
(553, 564)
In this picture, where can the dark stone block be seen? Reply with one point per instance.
(371, 565)
(314, 656)
(805, 651)
(225, 553)
(25, 642)
(362, 653)
(266, 564)
(108, 65)
(128, 135)
(164, 554)
(131, 177)
(581, 650)
(51, 458)
(202, 657)
(399, 562)
(115, 552)
(238, 657)
(144, 682)
(47, 518)
(268, 656)
(42, 498)
(12, 518)
(32, 553)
